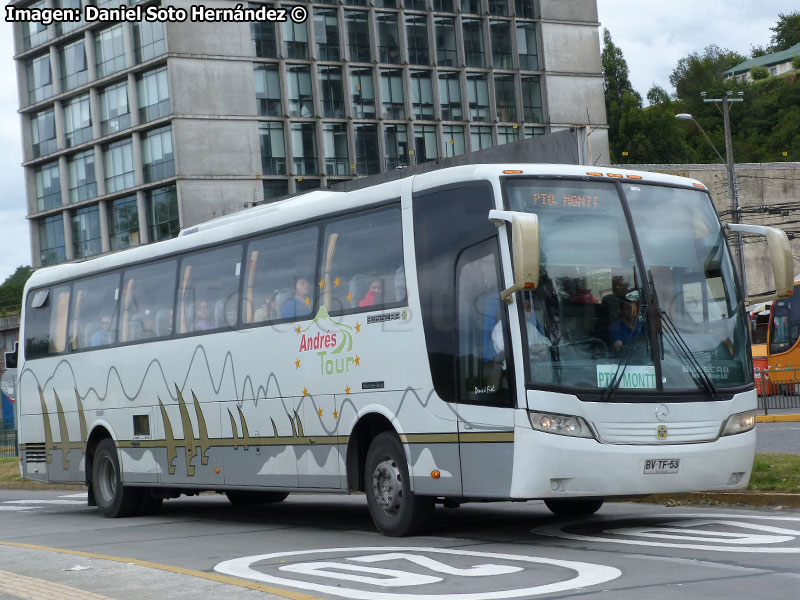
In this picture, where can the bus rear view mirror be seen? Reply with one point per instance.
(780, 257)
(524, 247)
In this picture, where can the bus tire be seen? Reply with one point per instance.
(113, 499)
(247, 498)
(573, 507)
(394, 508)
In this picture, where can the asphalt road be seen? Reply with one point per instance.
(778, 437)
(326, 547)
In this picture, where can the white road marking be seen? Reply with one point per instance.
(34, 501)
(587, 574)
(15, 508)
(83, 495)
(390, 577)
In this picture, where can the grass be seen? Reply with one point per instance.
(9, 470)
(776, 473)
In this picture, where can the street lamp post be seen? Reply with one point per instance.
(733, 188)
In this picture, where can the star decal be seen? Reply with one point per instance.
(347, 390)
(297, 364)
(319, 412)
(349, 296)
(321, 283)
(308, 301)
(337, 281)
(358, 361)
(335, 415)
(305, 392)
(358, 327)
(297, 330)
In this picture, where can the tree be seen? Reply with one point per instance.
(618, 90)
(757, 51)
(11, 291)
(786, 32)
(796, 63)
(657, 96)
(702, 72)
(759, 72)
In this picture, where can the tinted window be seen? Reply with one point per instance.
(279, 274)
(785, 323)
(94, 312)
(362, 262)
(209, 289)
(46, 321)
(148, 298)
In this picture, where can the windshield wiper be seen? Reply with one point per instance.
(625, 359)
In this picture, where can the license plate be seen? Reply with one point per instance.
(661, 466)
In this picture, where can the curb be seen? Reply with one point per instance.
(773, 499)
(777, 418)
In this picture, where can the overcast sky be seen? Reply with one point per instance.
(653, 37)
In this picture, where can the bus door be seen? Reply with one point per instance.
(485, 401)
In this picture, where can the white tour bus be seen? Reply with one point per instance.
(481, 332)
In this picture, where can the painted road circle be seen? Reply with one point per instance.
(377, 570)
(713, 532)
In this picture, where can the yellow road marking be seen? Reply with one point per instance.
(31, 588)
(777, 418)
(172, 569)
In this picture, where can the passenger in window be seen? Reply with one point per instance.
(202, 317)
(102, 337)
(267, 311)
(610, 304)
(627, 328)
(300, 304)
(537, 340)
(374, 294)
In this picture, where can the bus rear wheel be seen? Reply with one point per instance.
(394, 508)
(573, 507)
(247, 498)
(113, 499)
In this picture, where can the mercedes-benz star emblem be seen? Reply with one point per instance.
(662, 412)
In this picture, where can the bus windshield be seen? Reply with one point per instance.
(589, 323)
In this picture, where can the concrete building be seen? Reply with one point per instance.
(133, 130)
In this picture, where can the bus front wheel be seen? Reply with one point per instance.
(574, 507)
(394, 508)
(113, 499)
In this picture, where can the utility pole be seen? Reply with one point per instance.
(733, 187)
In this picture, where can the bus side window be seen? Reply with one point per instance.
(362, 264)
(279, 272)
(148, 298)
(46, 322)
(94, 312)
(208, 296)
(482, 328)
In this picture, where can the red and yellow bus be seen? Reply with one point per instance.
(783, 341)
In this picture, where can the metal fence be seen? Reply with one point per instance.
(8, 443)
(778, 390)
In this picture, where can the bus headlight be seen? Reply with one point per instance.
(740, 423)
(560, 424)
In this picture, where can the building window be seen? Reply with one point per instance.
(525, 9)
(478, 97)
(157, 158)
(67, 26)
(48, 186)
(43, 133)
(123, 223)
(446, 53)
(474, 53)
(148, 40)
(86, 239)
(396, 142)
(472, 7)
(422, 95)
(273, 148)
(337, 160)
(34, 33)
(501, 44)
(301, 102)
(162, 213)
(275, 188)
(426, 143)
(268, 90)
(533, 132)
(358, 39)
(332, 91)
(40, 82)
(304, 148)
(109, 51)
(355, 2)
(453, 140)
(415, 4)
(115, 112)
(82, 183)
(153, 95)
(392, 96)
(498, 8)
(74, 70)
(450, 96)
(507, 134)
(532, 99)
(295, 40)
(443, 6)
(303, 184)
(326, 34)
(362, 92)
(526, 46)
(366, 138)
(77, 121)
(388, 36)
(505, 98)
(417, 41)
(480, 138)
(386, 3)
(264, 39)
(51, 240)
(118, 163)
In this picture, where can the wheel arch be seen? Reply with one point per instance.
(365, 430)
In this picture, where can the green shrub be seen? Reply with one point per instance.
(796, 63)
(758, 73)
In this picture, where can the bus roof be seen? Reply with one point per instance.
(323, 202)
